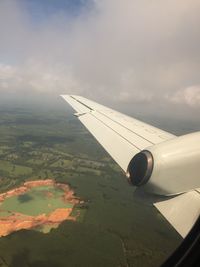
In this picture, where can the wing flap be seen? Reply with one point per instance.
(181, 211)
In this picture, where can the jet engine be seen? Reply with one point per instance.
(168, 168)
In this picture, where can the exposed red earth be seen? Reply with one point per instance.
(17, 221)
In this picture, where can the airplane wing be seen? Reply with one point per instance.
(129, 141)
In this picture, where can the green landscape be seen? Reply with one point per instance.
(114, 227)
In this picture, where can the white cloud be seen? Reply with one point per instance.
(36, 77)
(122, 51)
(189, 96)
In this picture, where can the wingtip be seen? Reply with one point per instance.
(64, 95)
(70, 95)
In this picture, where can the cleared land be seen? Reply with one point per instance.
(35, 204)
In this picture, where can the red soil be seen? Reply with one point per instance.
(18, 221)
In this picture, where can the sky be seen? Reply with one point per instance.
(134, 55)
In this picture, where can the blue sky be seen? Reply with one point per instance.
(41, 9)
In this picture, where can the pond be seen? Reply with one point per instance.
(38, 200)
(40, 205)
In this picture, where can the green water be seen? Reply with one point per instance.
(35, 202)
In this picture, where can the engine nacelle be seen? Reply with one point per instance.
(169, 168)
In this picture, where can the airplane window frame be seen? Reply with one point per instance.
(187, 254)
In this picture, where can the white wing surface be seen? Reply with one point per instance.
(181, 211)
(120, 135)
(123, 137)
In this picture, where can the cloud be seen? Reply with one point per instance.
(114, 51)
(189, 96)
(36, 77)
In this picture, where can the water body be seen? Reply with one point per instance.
(36, 201)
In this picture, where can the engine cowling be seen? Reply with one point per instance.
(169, 168)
